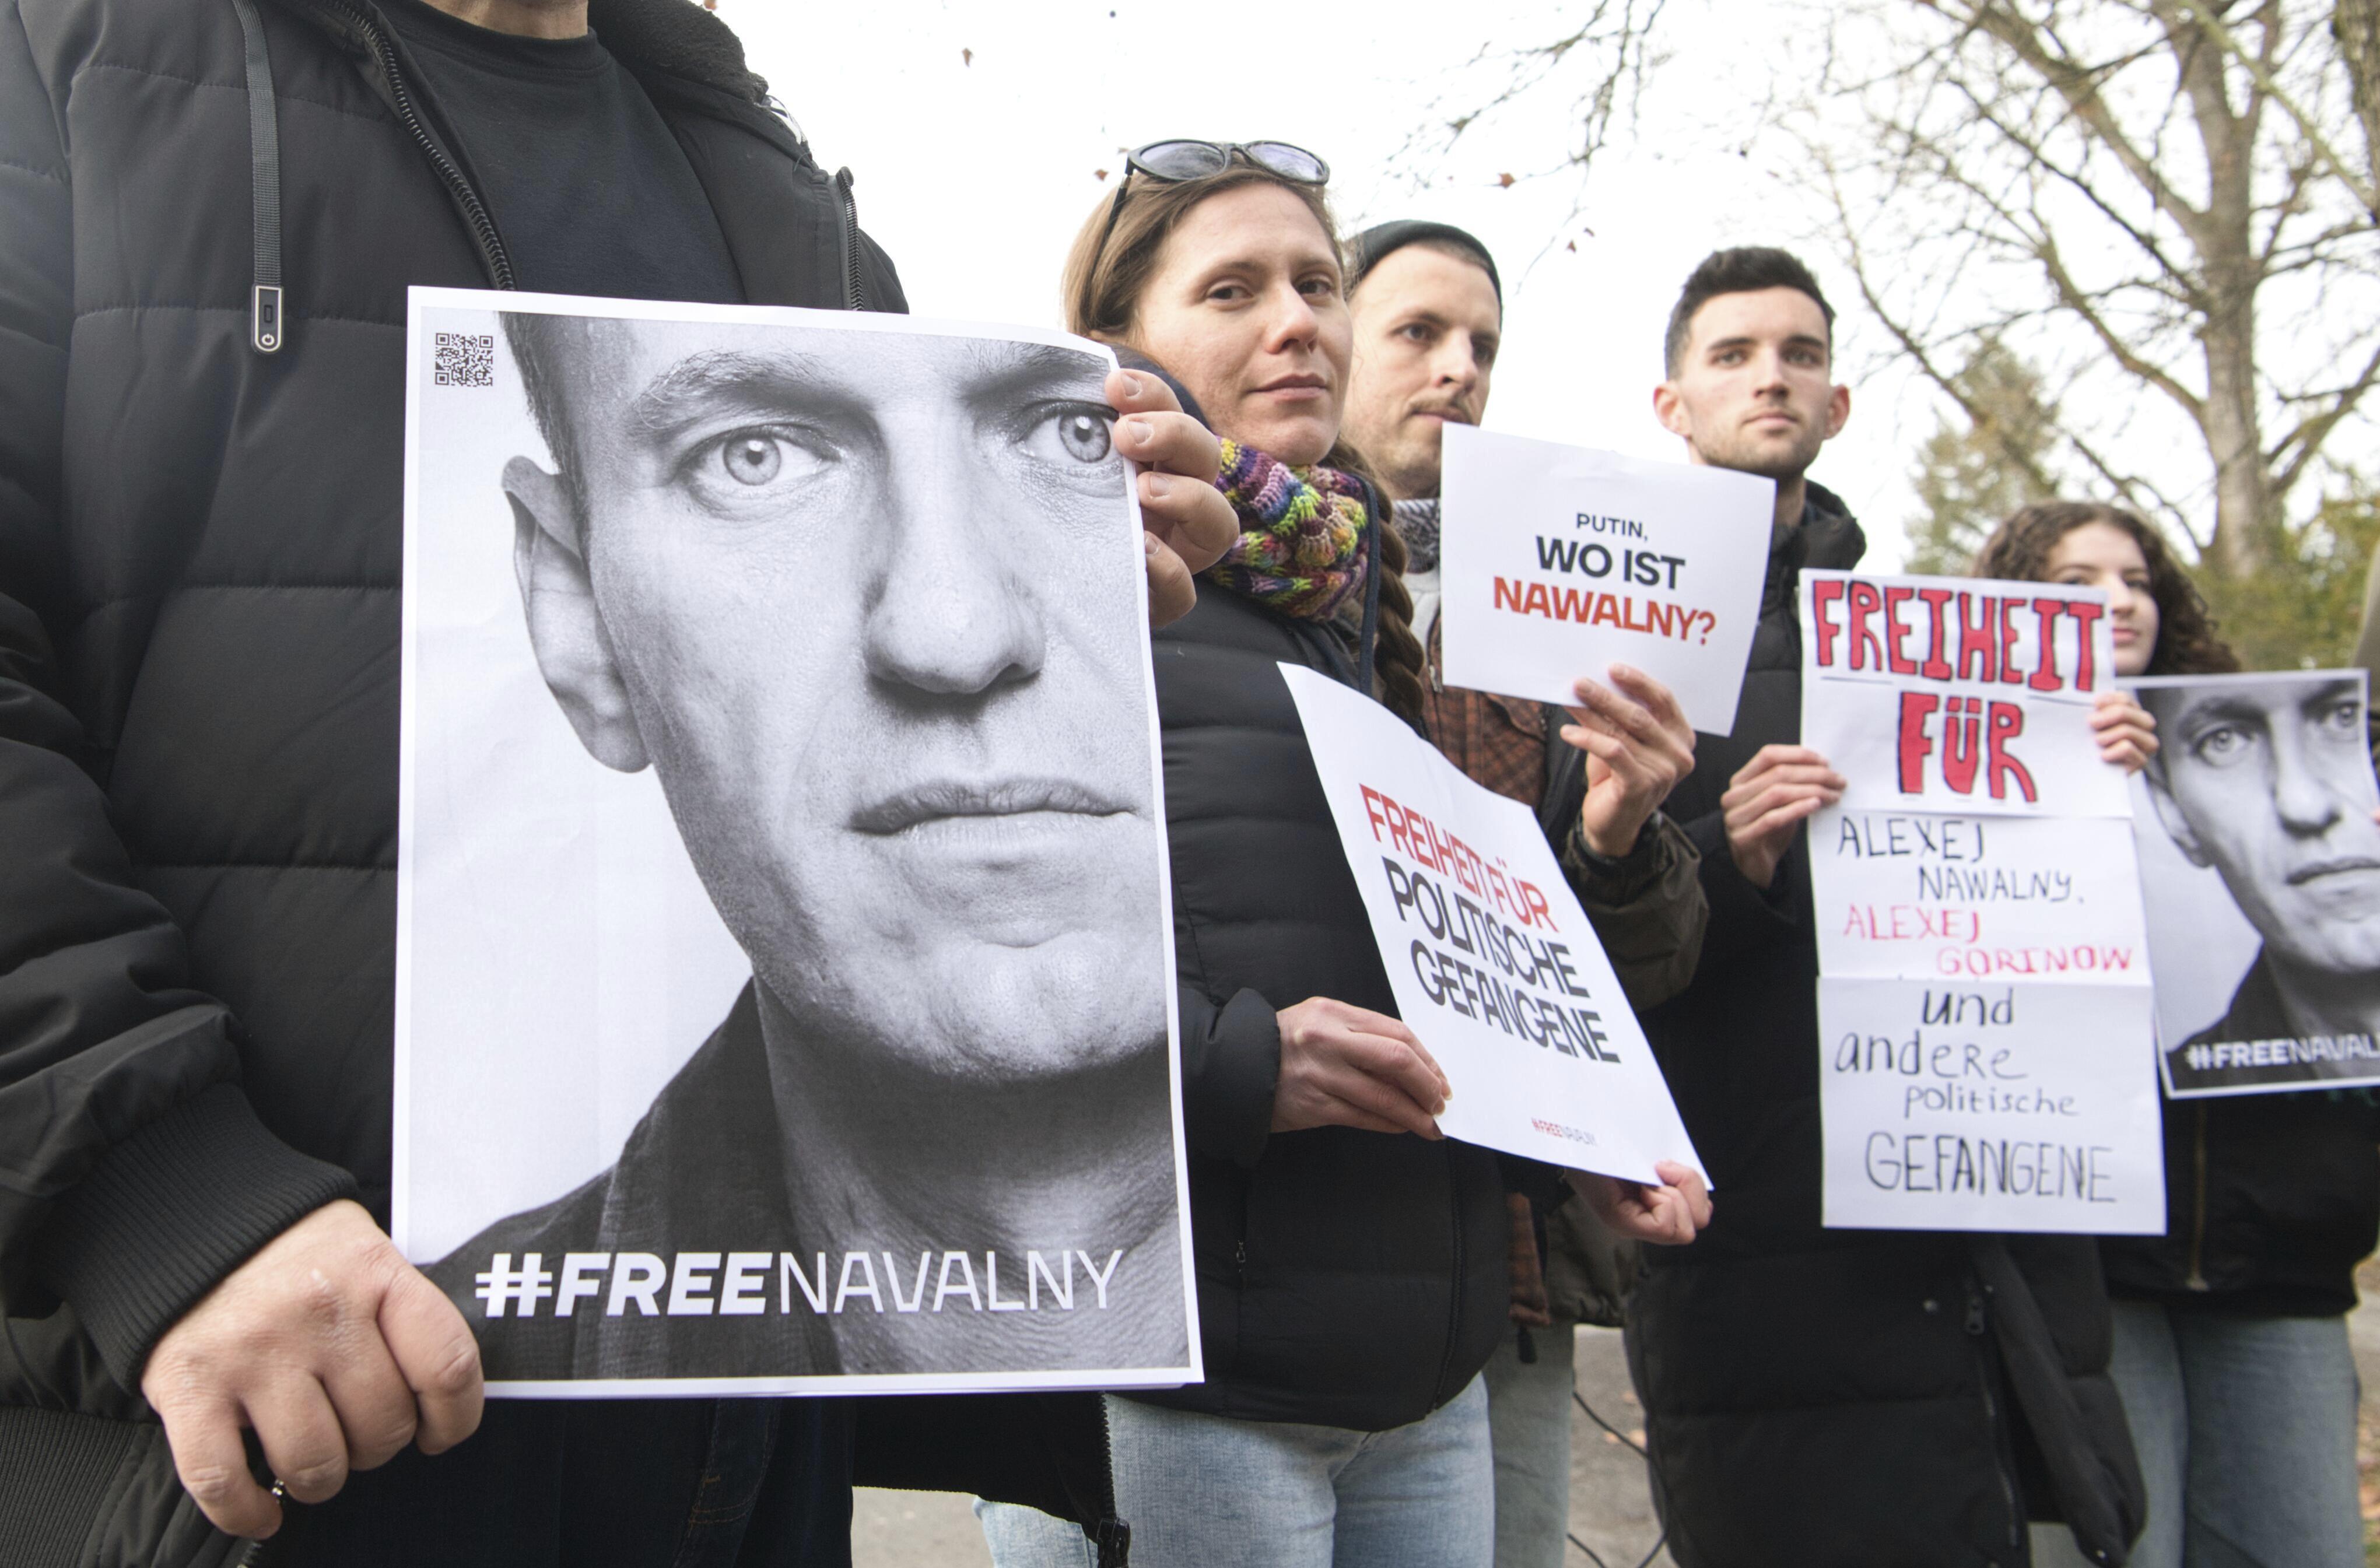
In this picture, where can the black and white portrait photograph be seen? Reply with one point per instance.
(784, 957)
(2260, 870)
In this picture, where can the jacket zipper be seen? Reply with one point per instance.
(475, 212)
(852, 298)
(2197, 1277)
(1976, 1323)
(1112, 1535)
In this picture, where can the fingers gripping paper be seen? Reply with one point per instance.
(1984, 1008)
(1560, 560)
(1493, 962)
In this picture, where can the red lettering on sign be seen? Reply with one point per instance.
(1823, 596)
(2006, 724)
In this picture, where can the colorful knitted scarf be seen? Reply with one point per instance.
(1302, 547)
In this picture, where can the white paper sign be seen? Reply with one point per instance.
(1941, 694)
(1493, 962)
(1560, 560)
(2045, 899)
(1966, 1106)
(1988, 1060)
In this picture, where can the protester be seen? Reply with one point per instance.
(1813, 1396)
(2231, 1336)
(1351, 1262)
(212, 212)
(1427, 313)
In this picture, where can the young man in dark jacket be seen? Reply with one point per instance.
(208, 214)
(1847, 1397)
(1429, 317)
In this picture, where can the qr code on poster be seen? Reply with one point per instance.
(466, 358)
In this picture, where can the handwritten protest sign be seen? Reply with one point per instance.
(1957, 1106)
(1957, 694)
(1986, 1057)
(2261, 860)
(2032, 898)
(1492, 960)
(1560, 561)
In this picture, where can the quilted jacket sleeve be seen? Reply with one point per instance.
(1744, 918)
(1648, 907)
(1231, 1064)
(133, 1172)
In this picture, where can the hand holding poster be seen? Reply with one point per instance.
(784, 987)
(2262, 863)
(1983, 1010)
(1493, 962)
(1560, 560)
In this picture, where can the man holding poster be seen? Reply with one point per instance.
(1842, 1391)
(200, 799)
(1429, 321)
(1428, 316)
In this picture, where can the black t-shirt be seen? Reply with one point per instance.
(586, 185)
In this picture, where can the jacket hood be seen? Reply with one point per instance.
(1827, 537)
(1831, 539)
(679, 38)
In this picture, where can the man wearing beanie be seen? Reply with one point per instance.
(1428, 318)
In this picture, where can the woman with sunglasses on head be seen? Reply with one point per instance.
(1352, 1263)
(2231, 1354)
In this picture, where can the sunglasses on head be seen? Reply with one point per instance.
(1174, 162)
(1177, 161)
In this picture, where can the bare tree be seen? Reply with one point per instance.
(1600, 59)
(2167, 204)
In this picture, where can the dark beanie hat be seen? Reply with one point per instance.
(1377, 241)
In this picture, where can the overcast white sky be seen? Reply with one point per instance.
(975, 175)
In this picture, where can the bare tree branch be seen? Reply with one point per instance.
(2160, 195)
(2075, 83)
(2312, 432)
(2259, 67)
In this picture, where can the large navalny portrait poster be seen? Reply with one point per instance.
(784, 946)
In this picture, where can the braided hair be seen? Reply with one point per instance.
(1398, 659)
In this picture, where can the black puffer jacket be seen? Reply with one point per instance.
(1345, 1278)
(1842, 1397)
(2271, 1200)
(199, 569)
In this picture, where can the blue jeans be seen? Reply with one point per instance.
(1206, 1491)
(1528, 1412)
(2245, 1429)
